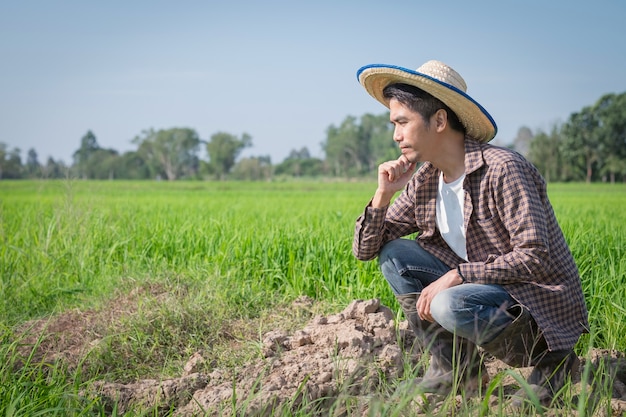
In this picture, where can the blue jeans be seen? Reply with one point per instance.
(477, 312)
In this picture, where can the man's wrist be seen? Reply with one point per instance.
(458, 271)
(381, 199)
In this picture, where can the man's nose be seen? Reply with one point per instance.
(397, 136)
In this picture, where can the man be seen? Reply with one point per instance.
(489, 265)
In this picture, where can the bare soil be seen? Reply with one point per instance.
(342, 364)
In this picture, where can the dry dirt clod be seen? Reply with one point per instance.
(193, 364)
(329, 355)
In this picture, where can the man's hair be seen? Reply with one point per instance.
(421, 102)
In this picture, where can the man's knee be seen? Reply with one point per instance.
(393, 255)
(393, 247)
(442, 307)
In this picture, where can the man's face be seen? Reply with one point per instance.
(412, 134)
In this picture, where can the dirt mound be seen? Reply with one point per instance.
(333, 366)
(338, 354)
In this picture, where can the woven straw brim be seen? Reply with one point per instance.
(477, 121)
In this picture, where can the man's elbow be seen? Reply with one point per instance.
(363, 256)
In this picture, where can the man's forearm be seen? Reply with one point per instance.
(381, 199)
(368, 233)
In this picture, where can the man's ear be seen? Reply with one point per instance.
(441, 120)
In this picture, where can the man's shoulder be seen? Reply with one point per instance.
(494, 155)
(499, 159)
(488, 156)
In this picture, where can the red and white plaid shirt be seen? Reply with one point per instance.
(513, 238)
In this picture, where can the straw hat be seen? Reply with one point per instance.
(439, 80)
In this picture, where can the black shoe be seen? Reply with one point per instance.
(548, 377)
(454, 361)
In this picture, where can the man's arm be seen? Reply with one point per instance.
(370, 230)
(450, 279)
(392, 177)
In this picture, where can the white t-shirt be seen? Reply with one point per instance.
(450, 202)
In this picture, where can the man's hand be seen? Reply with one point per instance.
(447, 280)
(392, 177)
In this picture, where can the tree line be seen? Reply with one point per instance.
(590, 146)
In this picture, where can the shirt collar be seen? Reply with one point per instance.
(473, 155)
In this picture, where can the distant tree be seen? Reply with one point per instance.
(378, 133)
(544, 153)
(611, 113)
(312, 167)
(10, 162)
(103, 164)
(343, 147)
(93, 162)
(82, 163)
(292, 165)
(302, 153)
(172, 152)
(357, 146)
(223, 150)
(131, 166)
(593, 142)
(207, 170)
(53, 169)
(580, 146)
(253, 169)
(299, 163)
(32, 167)
(3, 156)
(613, 165)
(522, 141)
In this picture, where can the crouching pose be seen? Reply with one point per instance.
(489, 265)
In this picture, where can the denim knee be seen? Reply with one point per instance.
(472, 311)
(389, 251)
(407, 267)
(442, 307)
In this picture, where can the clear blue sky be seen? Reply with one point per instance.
(283, 71)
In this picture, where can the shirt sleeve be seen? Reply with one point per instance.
(520, 205)
(368, 233)
(377, 226)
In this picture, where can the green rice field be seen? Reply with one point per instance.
(228, 250)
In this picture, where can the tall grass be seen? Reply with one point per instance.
(593, 220)
(66, 244)
(223, 252)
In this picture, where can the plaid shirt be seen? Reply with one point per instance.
(512, 236)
